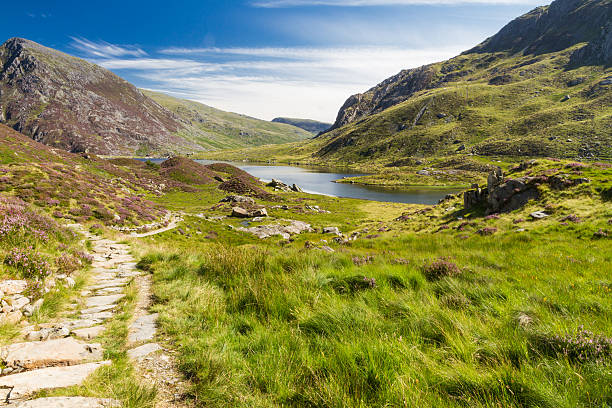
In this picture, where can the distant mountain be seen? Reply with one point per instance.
(312, 126)
(216, 129)
(69, 103)
(541, 86)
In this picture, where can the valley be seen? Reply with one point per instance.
(445, 243)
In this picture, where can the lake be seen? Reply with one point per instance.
(321, 181)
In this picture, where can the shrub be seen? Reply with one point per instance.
(487, 231)
(34, 290)
(582, 346)
(67, 263)
(352, 284)
(31, 264)
(440, 268)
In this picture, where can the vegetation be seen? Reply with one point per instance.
(423, 309)
(215, 129)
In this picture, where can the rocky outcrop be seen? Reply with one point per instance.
(511, 194)
(388, 93)
(551, 28)
(66, 102)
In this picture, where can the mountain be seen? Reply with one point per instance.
(216, 129)
(541, 86)
(312, 126)
(69, 103)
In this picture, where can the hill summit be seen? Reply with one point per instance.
(541, 86)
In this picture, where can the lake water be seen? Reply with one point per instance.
(320, 181)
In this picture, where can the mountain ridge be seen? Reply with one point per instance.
(72, 104)
(543, 29)
(310, 125)
(502, 97)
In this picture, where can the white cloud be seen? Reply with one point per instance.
(103, 49)
(368, 3)
(269, 82)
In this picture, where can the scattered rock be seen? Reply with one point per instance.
(103, 300)
(423, 173)
(89, 333)
(538, 215)
(331, 230)
(327, 249)
(565, 98)
(48, 334)
(238, 199)
(12, 287)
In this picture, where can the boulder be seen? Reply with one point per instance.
(58, 352)
(262, 212)
(12, 287)
(240, 212)
(494, 179)
(511, 195)
(331, 230)
(538, 215)
(238, 199)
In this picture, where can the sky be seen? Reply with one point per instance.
(262, 58)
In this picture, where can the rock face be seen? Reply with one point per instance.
(69, 103)
(552, 28)
(388, 93)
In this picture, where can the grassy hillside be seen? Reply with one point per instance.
(215, 129)
(535, 107)
(312, 126)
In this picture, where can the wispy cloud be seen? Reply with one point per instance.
(102, 49)
(268, 82)
(369, 3)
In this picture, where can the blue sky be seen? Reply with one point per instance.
(264, 58)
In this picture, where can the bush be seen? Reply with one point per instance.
(31, 264)
(440, 268)
(352, 284)
(581, 346)
(67, 263)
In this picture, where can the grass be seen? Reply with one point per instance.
(270, 327)
(383, 321)
(215, 129)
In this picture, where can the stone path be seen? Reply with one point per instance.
(63, 354)
(174, 221)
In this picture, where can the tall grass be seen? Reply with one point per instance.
(288, 327)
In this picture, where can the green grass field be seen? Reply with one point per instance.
(513, 319)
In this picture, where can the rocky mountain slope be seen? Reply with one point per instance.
(69, 103)
(312, 126)
(542, 83)
(216, 129)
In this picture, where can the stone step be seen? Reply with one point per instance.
(98, 309)
(109, 284)
(19, 386)
(79, 324)
(143, 328)
(69, 402)
(47, 333)
(89, 333)
(103, 300)
(98, 316)
(39, 354)
(141, 352)
(113, 290)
